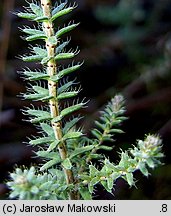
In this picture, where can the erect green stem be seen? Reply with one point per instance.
(53, 103)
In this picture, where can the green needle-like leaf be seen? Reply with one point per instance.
(65, 30)
(61, 13)
(67, 164)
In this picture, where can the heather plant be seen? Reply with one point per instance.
(69, 167)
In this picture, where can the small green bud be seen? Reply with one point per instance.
(152, 141)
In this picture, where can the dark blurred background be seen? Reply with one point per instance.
(126, 46)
